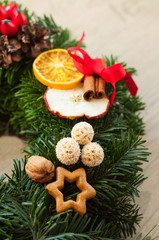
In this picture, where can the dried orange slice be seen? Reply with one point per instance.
(55, 68)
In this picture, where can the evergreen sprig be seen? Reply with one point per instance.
(116, 180)
(27, 211)
(10, 78)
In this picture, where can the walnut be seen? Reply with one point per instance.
(40, 169)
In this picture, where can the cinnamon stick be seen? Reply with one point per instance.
(89, 88)
(100, 84)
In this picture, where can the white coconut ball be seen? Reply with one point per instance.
(92, 154)
(83, 133)
(68, 151)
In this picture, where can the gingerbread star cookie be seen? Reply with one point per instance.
(87, 191)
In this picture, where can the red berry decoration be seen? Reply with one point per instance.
(10, 9)
(3, 14)
(20, 19)
(8, 28)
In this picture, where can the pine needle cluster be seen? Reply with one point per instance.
(10, 78)
(27, 211)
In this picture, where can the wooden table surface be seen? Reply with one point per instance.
(128, 29)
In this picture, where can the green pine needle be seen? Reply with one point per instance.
(27, 211)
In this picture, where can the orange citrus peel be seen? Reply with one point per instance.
(55, 68)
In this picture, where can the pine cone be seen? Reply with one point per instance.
(33, 40)
(10, 51)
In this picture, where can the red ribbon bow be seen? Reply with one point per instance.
(112, 74)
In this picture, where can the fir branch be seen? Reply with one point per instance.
(62, 40)
(10, 78)
(49, 23)
(117, 178)
(27, 211)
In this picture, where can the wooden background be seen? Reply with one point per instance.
(128, 29)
